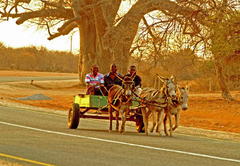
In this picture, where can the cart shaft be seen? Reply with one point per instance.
(131, 118)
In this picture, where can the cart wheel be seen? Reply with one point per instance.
(139, 124)
(73, 116)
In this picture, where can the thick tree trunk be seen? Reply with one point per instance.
(103, 41)
(222, 80)
(92, 30)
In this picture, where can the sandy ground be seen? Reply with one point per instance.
(206, 111)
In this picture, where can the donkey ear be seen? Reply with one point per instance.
(178, 87)
(187, 88)
(161, 78)
(172, 78)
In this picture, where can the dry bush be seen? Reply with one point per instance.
(202, 85)
(180, 64)
(200, 75)
(37, 59)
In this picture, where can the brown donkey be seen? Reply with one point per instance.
(120, 99)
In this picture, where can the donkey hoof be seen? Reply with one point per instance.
(121, 131)
(160, 134)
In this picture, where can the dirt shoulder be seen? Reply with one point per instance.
(207, 114)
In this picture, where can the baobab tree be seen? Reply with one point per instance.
(105, 35)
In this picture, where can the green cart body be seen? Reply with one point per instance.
(95, 101)
(82, 103)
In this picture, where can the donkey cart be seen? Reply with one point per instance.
(84, 105)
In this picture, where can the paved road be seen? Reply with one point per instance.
(39, 138)
(16, 79)
(4, 79)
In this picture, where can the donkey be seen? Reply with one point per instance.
(120, 99)
(156, 101)
(175, 107)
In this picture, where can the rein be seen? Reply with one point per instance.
(123, 79)
(153, 95)
(118, 77)
(103, 93)
(176, 104)
(118, 96)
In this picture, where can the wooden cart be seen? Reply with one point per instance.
(84, 104)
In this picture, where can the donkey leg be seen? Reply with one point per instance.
(117, 122)
(123, 121)
(157, 116)
(145, 120)
(176, 121)
(165, 124)
(161, 112)
(110, 118)
(170, 123)
(154, 120)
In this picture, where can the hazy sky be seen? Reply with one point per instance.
(14, 35)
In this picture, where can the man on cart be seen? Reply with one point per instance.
(112, 78)
(95, 82)
(136, 79)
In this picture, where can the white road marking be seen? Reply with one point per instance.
(123, 143)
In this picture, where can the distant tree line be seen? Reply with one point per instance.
(37, 59)
(188, 68)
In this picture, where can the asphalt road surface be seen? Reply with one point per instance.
(16, 79)
(31, 137)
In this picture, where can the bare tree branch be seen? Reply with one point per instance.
(66, 31)
(68, 23)
(54, 4)
(6, 5)
(16, 4)
(67, 14)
